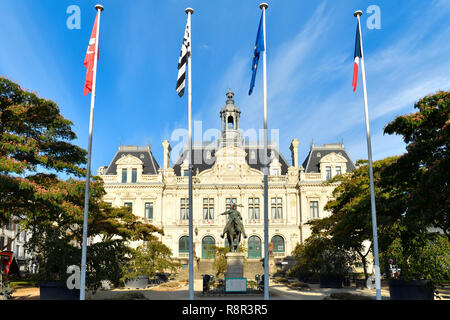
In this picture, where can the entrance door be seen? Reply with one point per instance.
(254, 247)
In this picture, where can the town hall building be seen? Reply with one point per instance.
(229, 172)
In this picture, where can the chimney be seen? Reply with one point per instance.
(294, 150)
(167, 149)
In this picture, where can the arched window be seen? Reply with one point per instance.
(183, 245)
(278, 244)
(254, 247)
(230, 122)
(208, 244)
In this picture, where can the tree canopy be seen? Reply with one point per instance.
(35, 147)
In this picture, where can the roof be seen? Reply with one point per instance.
(202, 162)
(311, 163)
(144, 154)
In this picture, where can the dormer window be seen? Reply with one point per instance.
(133, 175)
(338, 170)
(124, 175)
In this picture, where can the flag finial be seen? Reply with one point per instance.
(189, 10)
(99, 7)
(357, 13)
(263, 5)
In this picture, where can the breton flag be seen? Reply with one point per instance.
(259, 47)
(89, 60)
(182, 62)
(358, 56)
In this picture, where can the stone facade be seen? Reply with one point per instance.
(229, 172)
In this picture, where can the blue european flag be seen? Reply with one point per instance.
(259, 47)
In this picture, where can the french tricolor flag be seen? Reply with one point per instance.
(358, 56)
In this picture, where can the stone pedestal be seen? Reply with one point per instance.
(235, 265)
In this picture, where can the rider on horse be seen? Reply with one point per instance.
(236, 219)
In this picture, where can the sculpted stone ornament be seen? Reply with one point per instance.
(234, 228)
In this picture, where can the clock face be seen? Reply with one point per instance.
(230, 167)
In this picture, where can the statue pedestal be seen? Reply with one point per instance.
(235, 265)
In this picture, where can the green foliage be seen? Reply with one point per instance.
(148, 259)
(220, 261)
(35, 145)
(423, 172)
(430, 259)
(421, 181)
(321, 255)
(34, 138)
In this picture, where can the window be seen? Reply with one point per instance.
(183, 245)
(184, 209)
(275, 172)
(338, 170)
(229, 201)
(253, 208)
(277, 208)
(314, 209)
(124, 175)
(149, 210)
(328, 170)
(208, 244)
(134, 175)
(208, 209)
(186, 173)
(129, 205)
(278, 244)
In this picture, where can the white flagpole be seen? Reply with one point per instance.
(263, 6)
(189, 12)
(357, 14)
(99, 9)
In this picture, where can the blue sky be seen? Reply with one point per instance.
(310, 64)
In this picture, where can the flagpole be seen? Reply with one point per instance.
(357, 14)
(99, 9)
(263, 6)
(189, 12)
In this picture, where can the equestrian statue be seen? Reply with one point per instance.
(234, 228)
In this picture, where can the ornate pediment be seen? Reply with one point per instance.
(129, 160)
(333, 158)
(231, 162)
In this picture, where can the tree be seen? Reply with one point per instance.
(350, 224)
(422, 175)
(56, 233)
(35, 138)
(148, 259)
(35, 147)
(424, 170)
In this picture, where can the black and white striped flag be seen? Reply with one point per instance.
(182, 62)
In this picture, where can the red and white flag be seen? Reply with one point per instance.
(90, 58)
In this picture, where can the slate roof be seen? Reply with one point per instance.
(201, 161)
(311, 163)
(143, 153)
